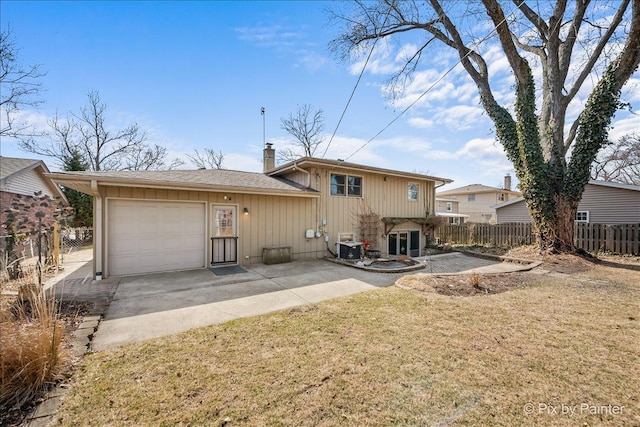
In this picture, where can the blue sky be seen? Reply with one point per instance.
(195, 75)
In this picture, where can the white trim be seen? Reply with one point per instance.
(408, 231)
(582, 220)
(452, 215)
(417, 184)
(107, 201)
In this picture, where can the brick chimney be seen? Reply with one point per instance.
(268, 158)
(507, 182)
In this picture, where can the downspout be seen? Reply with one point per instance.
(97, 230)
(433, 202)
(295, 167)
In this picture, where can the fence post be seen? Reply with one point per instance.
(56, 245)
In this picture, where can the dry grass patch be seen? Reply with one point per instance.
(392, 356)
(32, 355)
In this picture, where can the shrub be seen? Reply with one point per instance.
(475, 280)
(32, 356)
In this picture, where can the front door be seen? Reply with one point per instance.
(224, 234)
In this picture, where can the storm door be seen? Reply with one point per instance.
(224, 234)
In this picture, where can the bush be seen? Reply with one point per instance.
(32, 356)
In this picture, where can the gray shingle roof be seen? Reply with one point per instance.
(11, 165)
(199, 178)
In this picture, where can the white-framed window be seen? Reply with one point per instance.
(471, 198)
(449, 206)
(501, 197)
(346, 185)
(582, 216)
(413, 192)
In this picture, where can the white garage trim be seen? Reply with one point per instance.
(148, 236)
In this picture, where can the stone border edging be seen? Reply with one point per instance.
(416, 267)
(527, 263)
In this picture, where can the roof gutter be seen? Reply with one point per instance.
(119, 182)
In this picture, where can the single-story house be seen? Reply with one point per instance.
(476, 201)
(27, 199)
(602, 203)
(153, 221)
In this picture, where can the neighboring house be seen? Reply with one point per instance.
(448, 208)
(20, 180)
(602, 203)
(477, 200)
(152, 221)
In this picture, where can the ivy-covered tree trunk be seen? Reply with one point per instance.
(570, 42)
(551, 187)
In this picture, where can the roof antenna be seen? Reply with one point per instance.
(264, 138)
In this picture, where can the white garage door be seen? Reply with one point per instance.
(146, 237)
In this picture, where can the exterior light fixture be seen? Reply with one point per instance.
(246, 211)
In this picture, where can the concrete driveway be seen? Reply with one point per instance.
(156, 305)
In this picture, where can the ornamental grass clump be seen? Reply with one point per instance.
(32, 356)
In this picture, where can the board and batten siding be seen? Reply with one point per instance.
(386, 198)
(272, 220)
(605, 204)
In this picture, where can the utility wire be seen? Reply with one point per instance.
(433, 85)
(364, 67)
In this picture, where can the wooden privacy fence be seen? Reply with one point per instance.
(621, 238)
(512, 234)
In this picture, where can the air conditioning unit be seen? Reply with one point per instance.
(349, 250)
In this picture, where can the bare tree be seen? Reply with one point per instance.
(144, 157)
(570, 44)
(20, 87)
(306, 126)
(620, 162)
(101, 147)
(208, 159)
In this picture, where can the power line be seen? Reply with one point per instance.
(364, 67)
(432, 86)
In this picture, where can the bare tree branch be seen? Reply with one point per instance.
(597, 51)
(208, 159)
(619, 163)
(306, 126)
(534, 141)
(101, 148)
(20, 88)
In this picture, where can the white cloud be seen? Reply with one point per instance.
(420, 123)
(311, 60)
(481, 148)
(286, 42)
(271, 35)
(626, 126)
(382, 61)
(242, 162)
(460, 117)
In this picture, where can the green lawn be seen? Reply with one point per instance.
(389, 357)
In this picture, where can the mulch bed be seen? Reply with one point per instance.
(488, 284)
